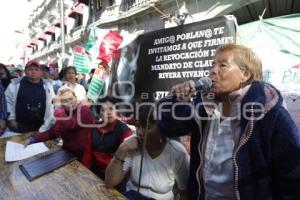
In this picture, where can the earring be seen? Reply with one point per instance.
(160, 141)
(241, 84)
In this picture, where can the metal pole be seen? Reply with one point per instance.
(62, 31)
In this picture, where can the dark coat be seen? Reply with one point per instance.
(266, 160)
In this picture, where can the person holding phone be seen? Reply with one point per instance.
(165, 161)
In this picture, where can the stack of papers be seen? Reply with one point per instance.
(8, 133)
(15, 151)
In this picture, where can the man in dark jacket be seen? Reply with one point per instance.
(28, 101)
(3, 110)
(244, 143)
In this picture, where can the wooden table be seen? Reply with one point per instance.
(73, 181)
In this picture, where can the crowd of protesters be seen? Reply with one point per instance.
(50, 104)
(253, 154)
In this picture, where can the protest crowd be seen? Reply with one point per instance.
(233, 139)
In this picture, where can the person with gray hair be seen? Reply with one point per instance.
(70, 120)
(244, 144)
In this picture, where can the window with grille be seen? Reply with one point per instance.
(111, 2)
(52, 37)
(45, 43)
(98, 4)
(78, 21)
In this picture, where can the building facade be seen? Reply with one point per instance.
(130, 16)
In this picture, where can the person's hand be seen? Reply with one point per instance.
(26, 142)
(31, 139)
(2, 126)
(184, 91)
(79, 77)
(56, 101)
(129, 145)
(13, 125)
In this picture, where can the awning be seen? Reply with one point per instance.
(276, 42)
(76, 10)
(86, 2)
(50, 30)
(57, 23)
(42, 37)
(33, 41)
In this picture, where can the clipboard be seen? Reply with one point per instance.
(33, 169)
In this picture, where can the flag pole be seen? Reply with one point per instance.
(62, 31)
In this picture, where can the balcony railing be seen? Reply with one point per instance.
(74, 35)
(109, 13)
(134, 4)
(113, 10)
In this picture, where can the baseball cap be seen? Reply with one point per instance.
(32, 62)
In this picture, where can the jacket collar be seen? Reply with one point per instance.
(108, 128)
(258, 93)
(210, 100)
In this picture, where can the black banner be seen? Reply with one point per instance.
(153, 62)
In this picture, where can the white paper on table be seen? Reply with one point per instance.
(15, 151)
(8, 133)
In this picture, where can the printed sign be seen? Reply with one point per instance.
(157, 60)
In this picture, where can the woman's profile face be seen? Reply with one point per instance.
(3, 73)
(226, 75)
(152, 132)
(108, 112)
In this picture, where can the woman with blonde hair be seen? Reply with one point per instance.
(244, 144)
